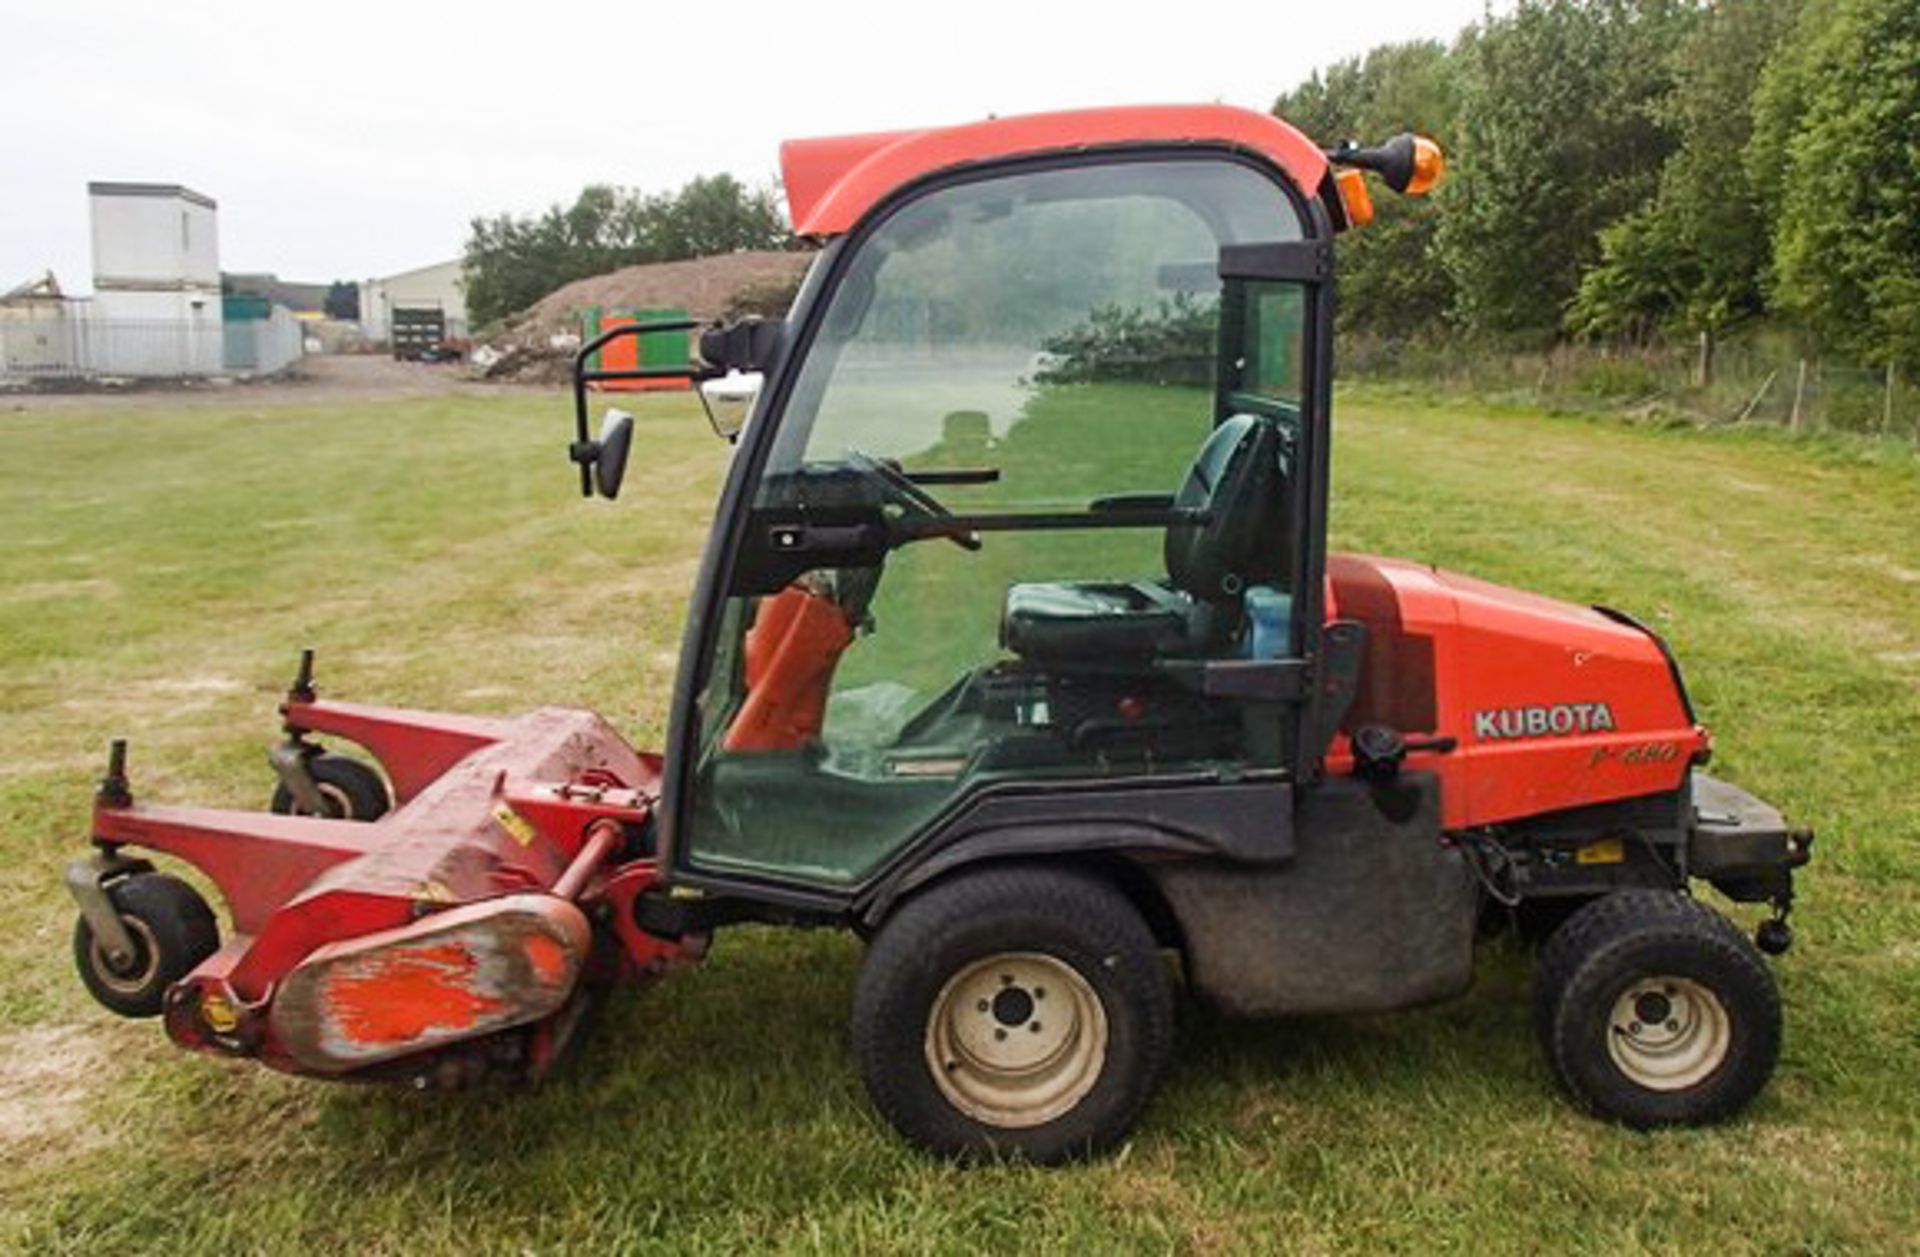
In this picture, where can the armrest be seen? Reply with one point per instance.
(1132, 502)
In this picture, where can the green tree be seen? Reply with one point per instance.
(512, 261)
(1694, 257)
(1835, 132)
(716, 214)
(1557, 140)
(1391, 280)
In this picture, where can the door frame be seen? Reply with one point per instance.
(715, 576)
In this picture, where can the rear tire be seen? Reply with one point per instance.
(1015, 1011)
(351, 790)
(173, 931)
(1654, 1010)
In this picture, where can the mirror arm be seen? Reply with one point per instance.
(584, 449)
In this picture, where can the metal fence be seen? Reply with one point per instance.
(263, 346)
(77, 348)
(1763, 380)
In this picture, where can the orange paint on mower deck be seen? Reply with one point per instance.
(452, 975)
(547, 958)
(399, 995)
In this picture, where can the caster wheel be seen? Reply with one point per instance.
(349, 789)
(173, 930)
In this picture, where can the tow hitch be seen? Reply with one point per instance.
(1745, 848)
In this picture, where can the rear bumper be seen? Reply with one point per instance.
(1742, 844)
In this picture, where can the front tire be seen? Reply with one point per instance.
(1015, 1011)
(1654, 1010)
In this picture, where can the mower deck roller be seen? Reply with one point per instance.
(1016, 648)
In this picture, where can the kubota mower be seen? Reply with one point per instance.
(1015, 648)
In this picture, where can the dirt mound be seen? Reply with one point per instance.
(533, 347)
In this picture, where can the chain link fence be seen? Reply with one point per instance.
(1757, 380)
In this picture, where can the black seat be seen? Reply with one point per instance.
(1115, 625)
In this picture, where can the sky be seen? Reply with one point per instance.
(349, 139)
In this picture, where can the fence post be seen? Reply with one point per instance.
(1703, 369)
(1755, 403)
(1886, 409)
(1799, 395)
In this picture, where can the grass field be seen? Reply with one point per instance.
(160, 567)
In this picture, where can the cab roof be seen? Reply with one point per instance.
(832, 182)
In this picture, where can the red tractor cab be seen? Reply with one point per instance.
(1016, 648)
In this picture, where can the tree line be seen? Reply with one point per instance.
(1620, 170)
(1626, 169)
(511, 261)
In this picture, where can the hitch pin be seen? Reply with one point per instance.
(114, 790)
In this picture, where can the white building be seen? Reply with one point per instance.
(441, 286)
(157, 309)
(156, 278)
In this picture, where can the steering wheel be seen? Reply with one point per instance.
(898, 487)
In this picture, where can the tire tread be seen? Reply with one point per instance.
(1594, 939)
(182, 924)
(1048, 898)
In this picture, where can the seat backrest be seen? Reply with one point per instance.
(1236, 479)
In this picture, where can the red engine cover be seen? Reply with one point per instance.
(1553, 705)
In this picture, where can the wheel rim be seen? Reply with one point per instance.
(1016, 1039)
(1668, 1033)
(137, 974)
(338, 807)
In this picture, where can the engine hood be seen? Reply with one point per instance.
(1550, 704)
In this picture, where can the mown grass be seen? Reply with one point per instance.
(159, 569)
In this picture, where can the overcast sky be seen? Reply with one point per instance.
(348, 139)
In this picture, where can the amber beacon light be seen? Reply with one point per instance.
(1407, 163)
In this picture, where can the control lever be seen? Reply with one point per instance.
(1379, 751)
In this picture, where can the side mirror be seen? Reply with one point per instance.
(729, 400)
(610, 458)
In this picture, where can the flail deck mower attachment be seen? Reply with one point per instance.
(437, 930)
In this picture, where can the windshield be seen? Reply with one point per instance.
(965, 306)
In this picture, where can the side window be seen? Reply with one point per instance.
(1275, 334)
